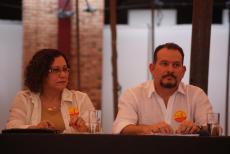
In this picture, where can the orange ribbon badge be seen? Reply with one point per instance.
(73, 111)
(180, 116)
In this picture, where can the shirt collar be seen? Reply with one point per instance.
(67, 95)
(181, 89)
(152, 90)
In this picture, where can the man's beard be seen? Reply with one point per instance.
(168, 85)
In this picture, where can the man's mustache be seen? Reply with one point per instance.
(169, 75)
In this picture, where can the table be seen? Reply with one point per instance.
(107, 143)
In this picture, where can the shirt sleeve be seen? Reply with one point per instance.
(202, 107)
(18, 112)
(85, 105)
(127, 112)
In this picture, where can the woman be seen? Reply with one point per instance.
(47, 103)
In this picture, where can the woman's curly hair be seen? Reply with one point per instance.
(38, 68)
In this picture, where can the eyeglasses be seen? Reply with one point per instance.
(58, 70)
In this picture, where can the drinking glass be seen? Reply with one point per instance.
(213, 122)
(95, 121)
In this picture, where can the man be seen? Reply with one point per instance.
(164, 104)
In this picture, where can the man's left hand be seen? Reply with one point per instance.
(187, 127)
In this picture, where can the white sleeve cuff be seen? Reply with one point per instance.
(118, 126)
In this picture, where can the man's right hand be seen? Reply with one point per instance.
(161, 127)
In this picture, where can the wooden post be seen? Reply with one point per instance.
(112, 6)
(228, 78)
(153, 27)
(78, 46)
(201, 29)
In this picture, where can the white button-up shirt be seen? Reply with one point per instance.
(142, 105)
(26, 108)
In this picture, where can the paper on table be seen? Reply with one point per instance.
(162, 134)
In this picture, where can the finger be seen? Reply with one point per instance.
(157, 129)
(162, 130)
(80, 121)
(194, 129)
(43, 124)
(154, 129)
(47, 124)
(73, 120)
(78, 124)
(167, 128)
(81, 126)
(186, 126)
(170, 130)
(179, 130)
(183, 129)
(51, 125)
(187, 129)
(189, 126)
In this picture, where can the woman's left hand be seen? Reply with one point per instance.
(78, 124)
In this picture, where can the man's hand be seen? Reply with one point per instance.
(187, 127)
(162, 127)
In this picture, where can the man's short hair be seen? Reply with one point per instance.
(168, 46)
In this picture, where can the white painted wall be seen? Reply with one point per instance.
(218, 69)
(132, 47)
(143, 17)
(10, 65)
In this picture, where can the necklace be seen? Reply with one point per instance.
(52, 105)
(53, 108)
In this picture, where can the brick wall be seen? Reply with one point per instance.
(40, 25)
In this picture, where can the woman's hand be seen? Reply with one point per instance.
(78, 124)
(43, 124)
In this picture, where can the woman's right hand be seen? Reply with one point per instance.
(43, 124)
